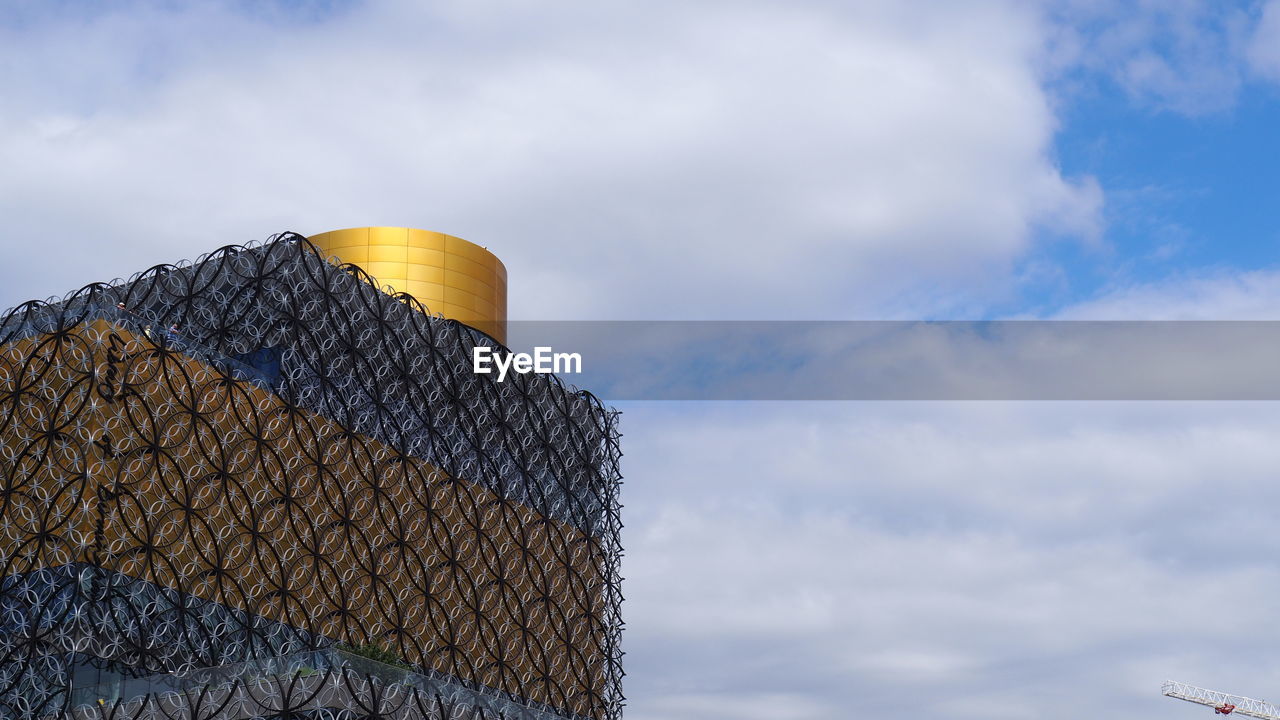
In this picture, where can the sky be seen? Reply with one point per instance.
(739, 160)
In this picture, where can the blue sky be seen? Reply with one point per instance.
(876, 159)
(1185, 192)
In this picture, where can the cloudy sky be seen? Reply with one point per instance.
(807, 160)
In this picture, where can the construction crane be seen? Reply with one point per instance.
(1222, 703)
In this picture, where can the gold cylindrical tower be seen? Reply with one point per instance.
(453, 277)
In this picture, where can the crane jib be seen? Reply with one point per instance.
(1222, 703)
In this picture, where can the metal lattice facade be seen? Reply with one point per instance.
(218, 478)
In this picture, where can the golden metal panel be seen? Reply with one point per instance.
(388, 253)
(489, 264)
(426, 240)
(337, 238)
(460, 297)
(466, 282)
(341, 249)
(388, 236)
(457, 312)
(469, 267)
(426, 273)
(387, 270)
(357, 255)
(425, 256)
(471, 251)
(448, 274)
(428, 293)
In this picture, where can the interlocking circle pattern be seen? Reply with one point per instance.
(219, 478)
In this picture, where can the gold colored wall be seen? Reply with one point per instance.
(453, 277)
(225, 492)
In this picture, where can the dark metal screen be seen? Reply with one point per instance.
(257, 455)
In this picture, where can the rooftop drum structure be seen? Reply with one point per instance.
(451, 276)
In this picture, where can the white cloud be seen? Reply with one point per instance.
(645, 160)
(1203, 295)
(1185, 56)
(945, 560)
(1264, 46)
(760, 705)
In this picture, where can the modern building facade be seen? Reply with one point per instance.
(257, 485)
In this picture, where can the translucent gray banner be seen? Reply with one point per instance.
(892, 360)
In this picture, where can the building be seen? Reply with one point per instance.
(258, 486)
